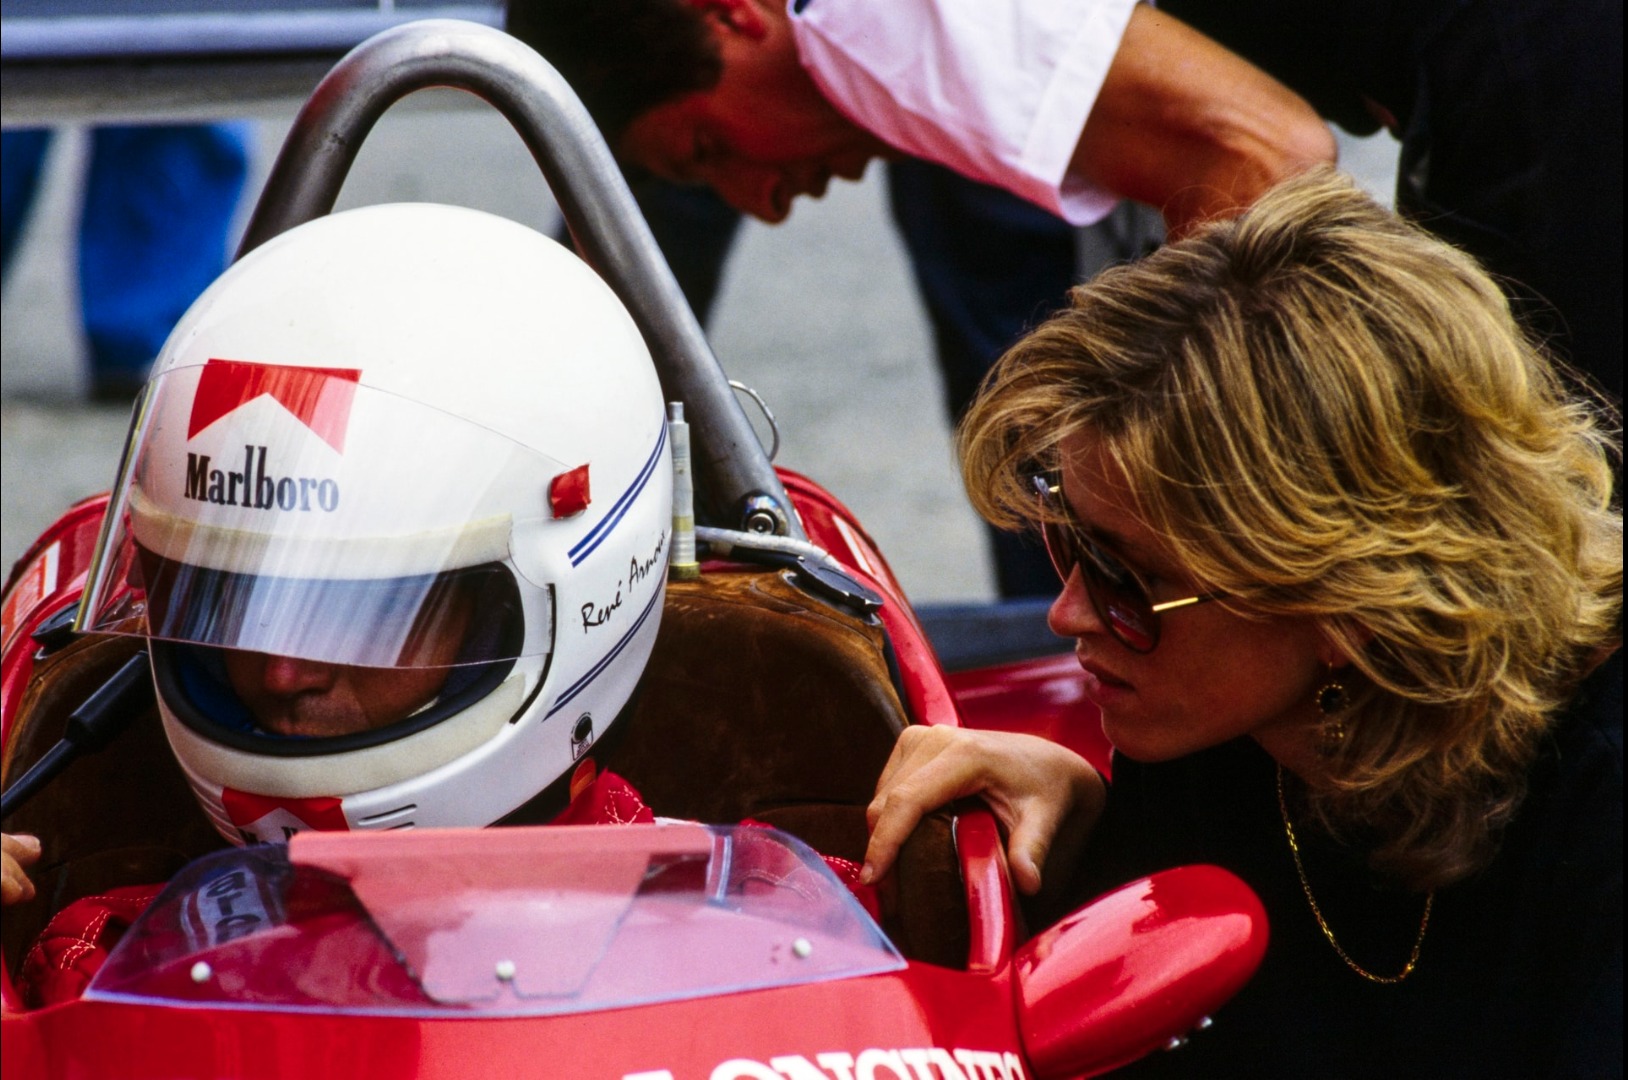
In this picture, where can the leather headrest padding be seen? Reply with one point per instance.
(756, 697)
(124, 816)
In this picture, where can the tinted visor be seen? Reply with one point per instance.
(426, 620)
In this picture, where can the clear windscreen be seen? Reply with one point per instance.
(508, 921)
(309, 516)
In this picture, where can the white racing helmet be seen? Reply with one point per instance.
(410, 437)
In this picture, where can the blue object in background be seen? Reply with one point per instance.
(21, 155)
(158, 205)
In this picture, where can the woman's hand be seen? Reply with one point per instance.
(1046, 795)
(17, 853)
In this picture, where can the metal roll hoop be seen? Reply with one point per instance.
(733, 471)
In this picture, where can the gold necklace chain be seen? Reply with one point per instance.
(1305, 885)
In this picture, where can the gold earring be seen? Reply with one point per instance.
(1332, 701)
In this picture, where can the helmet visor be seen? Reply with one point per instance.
(319, 519)
(427, 620)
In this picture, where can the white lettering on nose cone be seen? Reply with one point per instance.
(925, 1063)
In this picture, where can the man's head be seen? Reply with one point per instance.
(377, 518)
(701, 91)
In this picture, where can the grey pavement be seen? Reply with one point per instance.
(818, 314)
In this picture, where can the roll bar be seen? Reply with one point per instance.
(738, 486)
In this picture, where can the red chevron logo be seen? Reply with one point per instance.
(320, 398)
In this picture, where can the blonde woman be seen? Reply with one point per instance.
(1339, 548)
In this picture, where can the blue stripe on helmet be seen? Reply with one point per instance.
(619, 509)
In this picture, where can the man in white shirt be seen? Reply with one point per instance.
(1070, 104)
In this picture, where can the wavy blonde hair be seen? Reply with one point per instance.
(1328, 413)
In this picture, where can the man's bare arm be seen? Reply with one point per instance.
(1188, 127)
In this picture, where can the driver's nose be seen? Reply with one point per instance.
(286, 676)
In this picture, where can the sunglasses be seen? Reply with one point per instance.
(1118, 596)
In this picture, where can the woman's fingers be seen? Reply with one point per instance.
(1053, 820)
(1029, 841)
(892, 822)
(928, 768)
(1031, 784)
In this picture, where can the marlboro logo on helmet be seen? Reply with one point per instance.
(319, 398)
(256, 486)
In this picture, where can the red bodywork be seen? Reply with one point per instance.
(1118, 978)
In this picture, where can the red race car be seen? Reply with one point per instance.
(669, 951)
